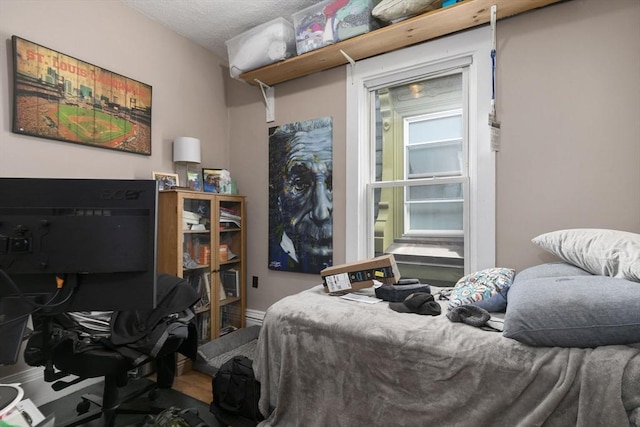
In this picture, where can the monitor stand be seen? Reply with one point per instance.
(14, 317)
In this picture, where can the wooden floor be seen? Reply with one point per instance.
(194, 384)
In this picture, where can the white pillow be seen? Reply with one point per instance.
(599, 251)
(390, 10)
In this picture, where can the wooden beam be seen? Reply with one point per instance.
(421, 28)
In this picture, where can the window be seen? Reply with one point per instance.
(422, 185)
(434, 149)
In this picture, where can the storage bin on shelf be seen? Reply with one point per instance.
(354, 19)
(265, 44)
(331, 21)
(311, 28)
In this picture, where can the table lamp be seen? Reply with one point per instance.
(186, 150)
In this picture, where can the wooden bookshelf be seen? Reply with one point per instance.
(193, 227)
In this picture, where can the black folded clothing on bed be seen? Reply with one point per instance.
(399, 291)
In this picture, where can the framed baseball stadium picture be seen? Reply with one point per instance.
(57, 96)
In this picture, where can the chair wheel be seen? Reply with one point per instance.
(83, 407)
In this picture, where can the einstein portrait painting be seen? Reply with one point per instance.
(301, 196)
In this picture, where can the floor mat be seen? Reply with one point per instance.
(248, 350)
(213, 354)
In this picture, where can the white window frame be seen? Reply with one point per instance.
(472, 49)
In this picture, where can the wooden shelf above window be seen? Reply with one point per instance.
(421, 28)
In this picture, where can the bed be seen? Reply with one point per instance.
(327, 361)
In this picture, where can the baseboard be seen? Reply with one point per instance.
(38, 390)
(254, 317)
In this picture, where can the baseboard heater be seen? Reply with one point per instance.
(254, 317)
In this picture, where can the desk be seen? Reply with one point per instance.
(16, 412)
(10, 395)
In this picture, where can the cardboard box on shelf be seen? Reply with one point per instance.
(360, 274)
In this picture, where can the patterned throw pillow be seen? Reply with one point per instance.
(486, 289)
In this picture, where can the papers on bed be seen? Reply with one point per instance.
(361, 298)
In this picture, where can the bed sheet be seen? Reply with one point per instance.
(323, 360)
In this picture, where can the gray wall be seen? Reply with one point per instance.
(187, 81)
(569, 103)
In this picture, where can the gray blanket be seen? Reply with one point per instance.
(326, 361)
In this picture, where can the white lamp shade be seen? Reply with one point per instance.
(186, 149)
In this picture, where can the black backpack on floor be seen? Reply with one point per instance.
(236, 393)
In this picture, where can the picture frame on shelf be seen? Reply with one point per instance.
(166, 180)
(194, 181)
(216, 181)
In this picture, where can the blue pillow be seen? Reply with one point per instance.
(573, 311)
(486, 289)
(550, 269)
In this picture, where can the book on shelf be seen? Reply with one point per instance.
(203, 324)
(229, 218)
(194, 281)
(229, 212)
(226, 254)
(191, 217)
(207, 285)
(199, 283)
(223, 294)
(230, 318)
(230, 282)
(226, 223)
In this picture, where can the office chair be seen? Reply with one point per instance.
(135, 341)
(115, 369)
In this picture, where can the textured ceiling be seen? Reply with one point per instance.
(211, 22)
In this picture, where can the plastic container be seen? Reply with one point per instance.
(354, 19)
(265, 44)
(331, 21)
(310, 26)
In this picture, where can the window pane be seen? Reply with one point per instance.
(427, 160)
(419, 134)
(435, 207)
(435, 216)
(420, 193)
(437, 129)
(435, 260)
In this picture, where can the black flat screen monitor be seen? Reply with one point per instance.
(77, 244)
